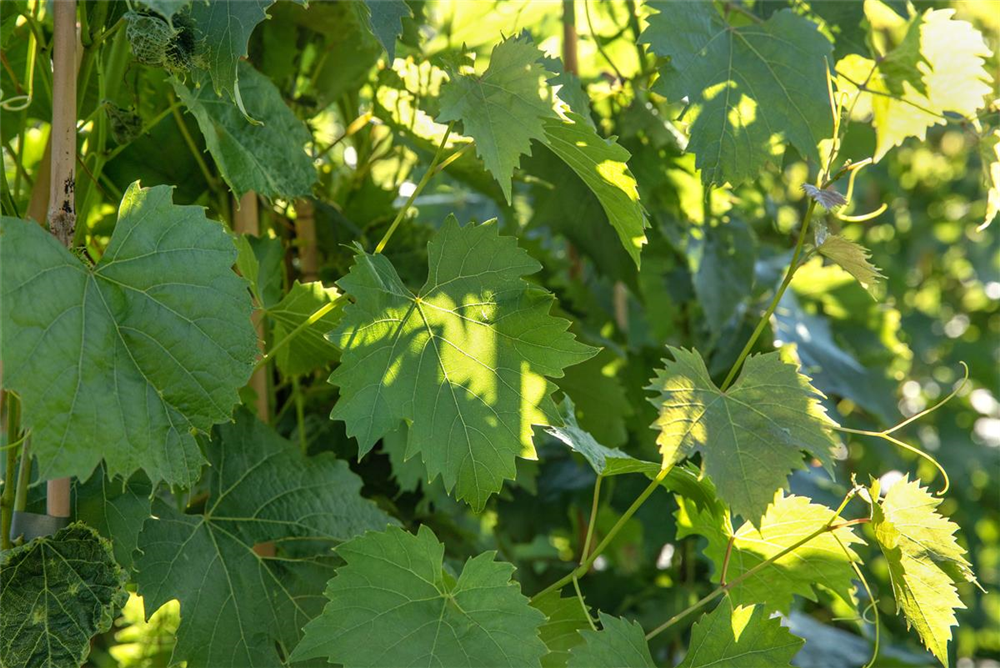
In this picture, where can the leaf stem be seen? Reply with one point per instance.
(317, 314)
(593, 519)
(792, 268)
(585, 565)
(583, 604)
(13, 439)
(416, 191)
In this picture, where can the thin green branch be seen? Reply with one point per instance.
(584, 567)
(431, 171)
(583, 604)
(792, 268)
(312, 319)
(593, 519)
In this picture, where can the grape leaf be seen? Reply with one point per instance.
(748, 86)
(750, 436)
(166, 8)
(224, 28)
(952, 58)
(259, 261)
(601, 164)
(122, 360)
(503, 108)
(465, 359)
(854, 258)
(310, 349)
(989, 151)
(57, 593)
(268, 158)
(385, 18)
(619, 644)
(116, 509)
(925, 561)
(737, 637)
(394, 602)
(821, 561)
(235, 604)
(565, 618)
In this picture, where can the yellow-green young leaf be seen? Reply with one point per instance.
(751, 89)
(223, 28)
(56, 593)
(465, 360)
(268, 157)
(393, 603)
(236, 605)
(989, 150)
(503, 108)
(951, 63)
(565, 618)
(122, 360)
(619, 644)
(740, 637)
(820, 562)
(601, 164)
(751, 436)
(925, 561)
(854, 258)
(310, 349)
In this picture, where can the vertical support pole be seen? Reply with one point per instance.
(246, 220)
(62, 184)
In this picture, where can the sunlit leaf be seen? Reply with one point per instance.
(819, 563)
(503, 108)
(601, 164)
(989, 150)
(393, 603)
(122, 360)
(749, 87)
(465, 360)
(56, 593)
(235, 603)
(952, 65)
(925, 561)
(854, 258)
(751, 436)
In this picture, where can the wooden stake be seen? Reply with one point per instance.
(246, 220)
(62, 184)
(305, 234)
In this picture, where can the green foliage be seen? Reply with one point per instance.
(267, 158)
(57, 592)
(619, 644)
(260, 490)
(750, 87)
(394, 588)
(120, 361)
(474, 347)
(736, 636)
(502, 108)
(751, 436)
(807, 185)
(224, 28)
(925, 561)
(822, 562)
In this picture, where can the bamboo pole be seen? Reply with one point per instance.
(62, 184)
(246, 220)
